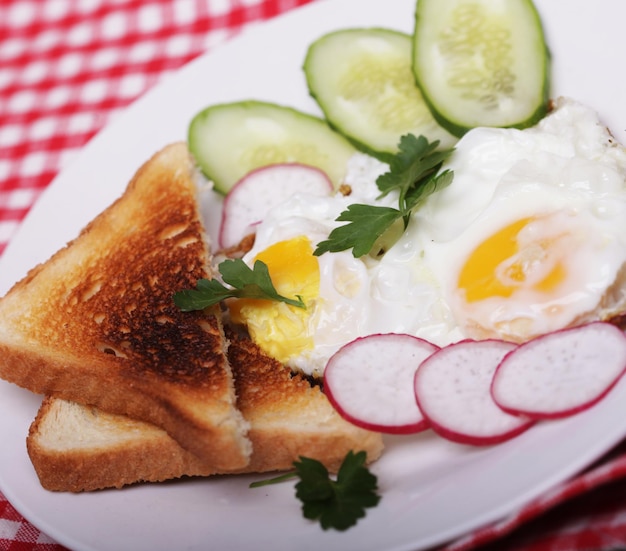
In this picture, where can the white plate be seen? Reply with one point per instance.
(432, 490)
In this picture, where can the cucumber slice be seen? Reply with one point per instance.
(229, 140)
(481, 63)
(363, 82)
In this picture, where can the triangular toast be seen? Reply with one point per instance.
(96, 323)
(77, 448)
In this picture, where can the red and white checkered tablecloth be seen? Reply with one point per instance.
(68, 66)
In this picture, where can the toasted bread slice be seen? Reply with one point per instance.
(77, 448)
(96, 323)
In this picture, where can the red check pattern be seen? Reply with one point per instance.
(69, 67)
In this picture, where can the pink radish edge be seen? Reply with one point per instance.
(452, 431)
(459, 438)
(375, 402)
(538, 346)
(244, 206)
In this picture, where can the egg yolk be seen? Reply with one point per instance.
(281, 330)
(502, 264)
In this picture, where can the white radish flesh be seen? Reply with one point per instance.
(370, 382)
(249, 200)
(452, 388)
(561, 373)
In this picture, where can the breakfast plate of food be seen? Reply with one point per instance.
(86, 326)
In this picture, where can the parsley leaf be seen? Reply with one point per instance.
(368, 223)
(413, 172)
(245, 282)
(336, 503)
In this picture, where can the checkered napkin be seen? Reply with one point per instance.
(67, 67)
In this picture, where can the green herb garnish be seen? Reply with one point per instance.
(245, 282)
(413, 171)
(336, 503)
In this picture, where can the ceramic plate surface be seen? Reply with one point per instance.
(433, 490)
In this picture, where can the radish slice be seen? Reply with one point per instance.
(369, 381)
(247, 203)
(452, 388)
(561, 373)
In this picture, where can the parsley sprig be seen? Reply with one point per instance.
(414, 173)
(245, 282)
(339, 503)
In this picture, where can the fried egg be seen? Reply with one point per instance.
(529, 237)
